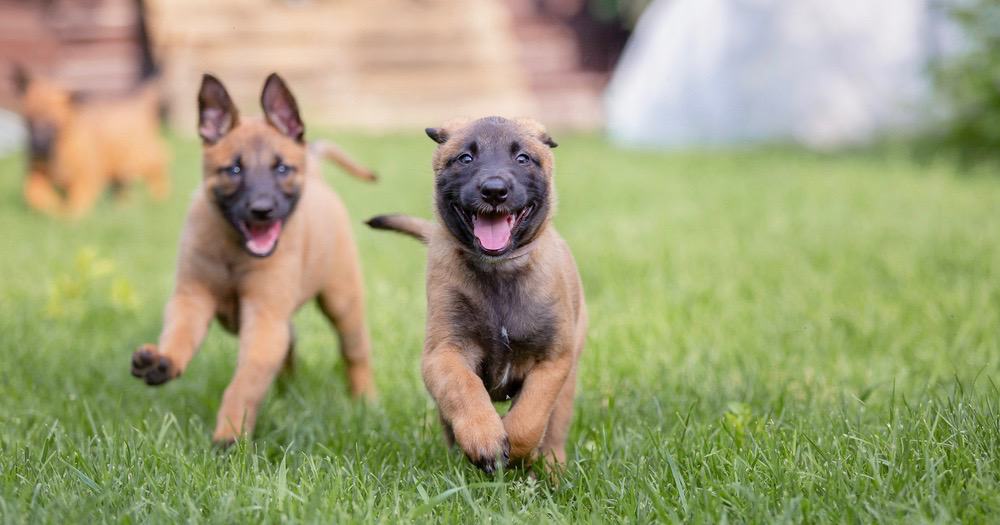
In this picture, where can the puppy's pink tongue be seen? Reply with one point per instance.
(263, 237)
(493, 232)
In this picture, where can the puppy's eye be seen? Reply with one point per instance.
(465, 158)
(522, 158)
(282, 169)
(233, 171)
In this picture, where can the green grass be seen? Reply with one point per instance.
(775, 336)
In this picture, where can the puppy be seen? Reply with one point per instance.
(506, 317)
(77, 149)
(263, 236)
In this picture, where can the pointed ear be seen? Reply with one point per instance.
(280, 108)
(439, 135)
(547, 140)
(217, 114)
(21, 78)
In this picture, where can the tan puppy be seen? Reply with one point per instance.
(78, 149)
(506, 317)
(263, 237)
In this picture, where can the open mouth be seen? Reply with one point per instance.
(260, 237)
(494, 231)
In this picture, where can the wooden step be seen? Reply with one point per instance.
(371, 64)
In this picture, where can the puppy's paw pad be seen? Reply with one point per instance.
(151, 366)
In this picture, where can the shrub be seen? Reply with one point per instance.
(968, 83)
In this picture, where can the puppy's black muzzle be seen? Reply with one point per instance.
(494, 190)
(41, 138)
(263, 208)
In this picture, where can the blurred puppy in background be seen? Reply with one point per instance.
(78, 149)
(506, 317)
(263, 236)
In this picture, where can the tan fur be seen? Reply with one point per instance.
(97, 144)
(316, 258)
(544, 406)
(333, 153)
(417, 228)
(538, 421)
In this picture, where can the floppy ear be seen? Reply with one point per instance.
(280, 108)
(439, 135)
(21, 78)
(217, 114)
(448, 129)
(536, 128)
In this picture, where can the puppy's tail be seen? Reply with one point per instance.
(333, 153)
(415, 227)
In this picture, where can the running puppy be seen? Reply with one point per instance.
(263, 236)
(78, 149)
(506, 317)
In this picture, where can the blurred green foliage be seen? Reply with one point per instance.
(969, 86)
(92, 285)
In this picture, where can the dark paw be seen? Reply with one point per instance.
(151, 366)
(223, 444)
(490, 463)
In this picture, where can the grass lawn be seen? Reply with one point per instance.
(775, 336)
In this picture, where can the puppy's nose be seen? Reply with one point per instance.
(40, 142)
(262, 209)
(40, 146)
(494, 190)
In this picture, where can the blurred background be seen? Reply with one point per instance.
(793, 283)
(660, 72)
(376, 65)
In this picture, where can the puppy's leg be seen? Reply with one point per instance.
(342, 301)
(81, 195)
(186, 321)
(465, 407)
(41, 195)
(527, 419)
(264, 343)
(553, 445)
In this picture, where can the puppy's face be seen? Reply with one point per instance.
(493, 182)
(254, 171)
(46, 109)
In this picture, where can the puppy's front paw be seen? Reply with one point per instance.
(359, 377)
(151, 366)
(224, 440)
(484, 441)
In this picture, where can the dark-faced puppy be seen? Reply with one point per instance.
(264, 236)
(492, 195)
(77, 148)
(506, 317)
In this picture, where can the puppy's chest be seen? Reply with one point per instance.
(513, 328)
(227, 288)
